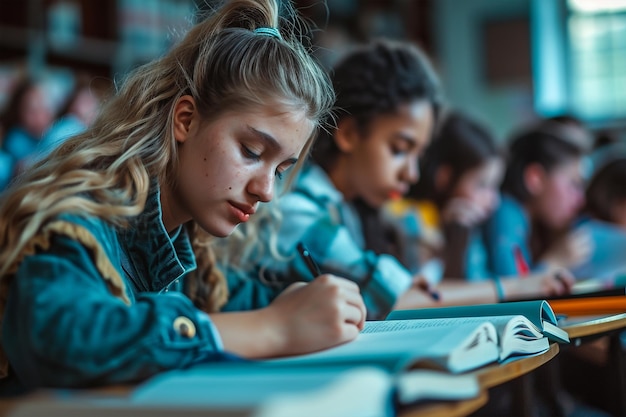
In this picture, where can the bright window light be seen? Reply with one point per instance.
(597, 6)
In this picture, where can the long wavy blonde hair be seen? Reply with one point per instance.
(107, 171)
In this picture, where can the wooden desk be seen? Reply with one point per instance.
(581, 329)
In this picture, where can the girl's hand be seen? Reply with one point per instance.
(419, 295)
(463, 212)
(554, 281)
(324, 313)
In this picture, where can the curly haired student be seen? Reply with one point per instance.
(100, 239)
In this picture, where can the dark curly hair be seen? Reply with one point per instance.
(377, 79)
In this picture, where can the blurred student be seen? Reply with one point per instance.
(458, 189)
(76, 115)
(542, 193)
(604, 219)
(606, 194)
(26, 118)
(99, 241)
(388, 99)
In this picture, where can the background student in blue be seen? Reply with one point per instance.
(458, 189)
(604, 219)
(99, 240)
(387, 100)
(542, 193)
(606, 193)
(26, 117)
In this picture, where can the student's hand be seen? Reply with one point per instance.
(420, 294)
(463, 212)
(324, 313)
(553, 281)
(573, 249)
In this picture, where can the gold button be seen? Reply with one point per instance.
(185, 327)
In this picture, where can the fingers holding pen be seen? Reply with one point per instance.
(347, 297)
(563, 281)
(351, 292)
(323, 313)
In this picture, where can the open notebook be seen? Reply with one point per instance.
(538, 316)
(461, 339)
(453, 346)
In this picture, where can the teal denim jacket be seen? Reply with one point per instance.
(91, 304)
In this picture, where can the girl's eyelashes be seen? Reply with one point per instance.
(401, 146)
(281, 172)
(250, 154)
(398, 149)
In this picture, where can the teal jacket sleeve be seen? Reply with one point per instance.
(382, 279)
(248, 293)
(63, 327)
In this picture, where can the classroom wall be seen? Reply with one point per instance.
(458, 33)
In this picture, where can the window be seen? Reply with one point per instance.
(596, 32)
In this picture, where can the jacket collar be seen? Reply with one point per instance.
(156, 258)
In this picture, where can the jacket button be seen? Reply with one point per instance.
(185, 327)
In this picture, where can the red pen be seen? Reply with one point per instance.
(520, 262)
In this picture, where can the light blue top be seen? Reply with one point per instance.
(316, 214)
(476, 258)
(19, 144)
(607, 258)
(64, 128)
(507, 229)
(7, 164)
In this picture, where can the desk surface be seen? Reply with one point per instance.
(594, 325)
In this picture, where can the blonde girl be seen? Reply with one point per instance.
(100, 239)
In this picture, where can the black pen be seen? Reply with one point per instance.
(423, 285)
(308, 260)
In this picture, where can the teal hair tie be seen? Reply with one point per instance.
(268, 32)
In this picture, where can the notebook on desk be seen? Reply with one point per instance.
(454, 339)
(454, 347)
